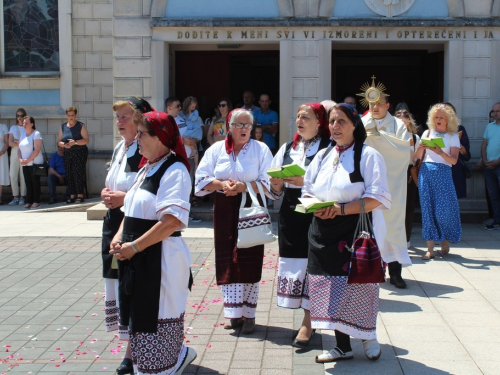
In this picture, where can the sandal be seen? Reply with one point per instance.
(79, 200)
(35, 205)
(195, 203)
(445, 249)
(428, 256)
(70, 200)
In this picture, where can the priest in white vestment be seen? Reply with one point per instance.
(388, 135)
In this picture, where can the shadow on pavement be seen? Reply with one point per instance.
(388, 363)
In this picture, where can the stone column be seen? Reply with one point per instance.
(305, 76)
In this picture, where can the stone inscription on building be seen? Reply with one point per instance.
(333, 33)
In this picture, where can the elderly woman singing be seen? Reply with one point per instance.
(225, 169)
(156, 279)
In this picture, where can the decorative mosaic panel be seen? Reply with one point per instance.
(31, 35)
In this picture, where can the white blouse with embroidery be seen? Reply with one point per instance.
(328, 180)
(117, 179)
(251, 164)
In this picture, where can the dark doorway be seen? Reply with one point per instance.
(212, 75)
(412, 76)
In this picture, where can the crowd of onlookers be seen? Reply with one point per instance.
(21, 146)
(28, 160)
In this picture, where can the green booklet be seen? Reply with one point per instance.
(312, 204)
(288, 170)
(433, 142)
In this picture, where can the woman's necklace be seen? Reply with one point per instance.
(308, 144)
(340, 150)
(124, 150)
(440, 134)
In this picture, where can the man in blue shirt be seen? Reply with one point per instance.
(490, 153)
(57, 174)
(248, 99)
(267, 119)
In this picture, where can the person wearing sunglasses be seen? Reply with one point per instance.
(217, 130)
(225, 170)
(17, 182)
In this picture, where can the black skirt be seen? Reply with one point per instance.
(110, 226)
(293, 227)
(233, 265)
(328, 255)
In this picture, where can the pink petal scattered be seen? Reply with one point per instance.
(209, 346)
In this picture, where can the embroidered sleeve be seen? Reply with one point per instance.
(374, 173)
(173, 194)
(205, 173)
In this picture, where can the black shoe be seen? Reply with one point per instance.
(52, 201)
(125, 367)
(302, 344)
(398, 281)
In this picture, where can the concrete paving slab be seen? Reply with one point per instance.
(51, 287)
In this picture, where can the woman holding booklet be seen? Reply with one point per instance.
(293, 227)
(438, 199)
(226, 169)
(347, 173)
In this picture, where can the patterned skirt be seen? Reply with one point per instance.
(336, 305)
(161, 352)
(439, 203)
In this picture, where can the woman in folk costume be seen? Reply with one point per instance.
(312, 135)
(225, 169)
(156, 278)
(347, 173)
(388, 135)
(121, 174)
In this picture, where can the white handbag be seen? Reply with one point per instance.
(254, 223)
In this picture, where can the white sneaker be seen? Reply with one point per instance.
(21, 202)
(333, 355)
(372, 349)
(190, 357)
(14, 202)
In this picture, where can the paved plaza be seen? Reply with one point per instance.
(52, 318)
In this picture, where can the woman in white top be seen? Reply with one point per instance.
(412, 189)
(155, 283)
(312, 136)
(4, 158)
(438, 198)
(29, 153)
(17, 182)
(225, 169)
(347, 173)
(121, 175)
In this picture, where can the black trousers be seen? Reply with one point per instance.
(75, 161)
(411, 198)
(32, 185)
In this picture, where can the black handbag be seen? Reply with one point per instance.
(41, 170)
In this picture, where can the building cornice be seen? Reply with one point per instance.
(331, 22)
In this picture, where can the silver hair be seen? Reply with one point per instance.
(237, 113)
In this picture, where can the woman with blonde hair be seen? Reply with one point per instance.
(438, 199)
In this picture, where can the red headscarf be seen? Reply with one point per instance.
(167, 131)
(229, 137)
(322, 117)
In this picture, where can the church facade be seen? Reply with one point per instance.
(424, 51)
